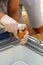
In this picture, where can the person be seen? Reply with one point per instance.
(33, 9)
(9, 17)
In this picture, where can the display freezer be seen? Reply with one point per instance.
(12, 53)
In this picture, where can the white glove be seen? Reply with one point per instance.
(10, 24)
(25, 38)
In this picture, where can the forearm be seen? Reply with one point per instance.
(1, 14)
(14, 15)
(13, 6)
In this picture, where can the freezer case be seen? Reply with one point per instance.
(12, 53)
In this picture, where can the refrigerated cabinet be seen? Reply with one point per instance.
(12, 52)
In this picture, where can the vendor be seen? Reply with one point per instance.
(33, 10)
(9, 17)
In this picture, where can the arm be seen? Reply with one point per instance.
(1, 14)
(13, 6)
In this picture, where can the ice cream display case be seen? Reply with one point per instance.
(13, 53)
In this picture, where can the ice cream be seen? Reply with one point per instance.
(21, 30)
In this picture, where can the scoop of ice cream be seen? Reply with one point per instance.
(21, 26)
(21, 30)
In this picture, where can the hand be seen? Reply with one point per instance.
(10, 24)
(11, 27)
(25, 38)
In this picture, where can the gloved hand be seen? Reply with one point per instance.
(11, 27)
(25, 38)
(10, 24)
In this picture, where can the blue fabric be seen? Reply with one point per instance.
(4, 35)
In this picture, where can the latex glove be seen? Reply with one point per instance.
(10, 24)
(11, 27)
(25, 38)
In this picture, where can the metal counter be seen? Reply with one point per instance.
(11, 51)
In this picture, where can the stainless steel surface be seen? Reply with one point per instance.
(9, 42)
(11, 51)
(35, 45)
